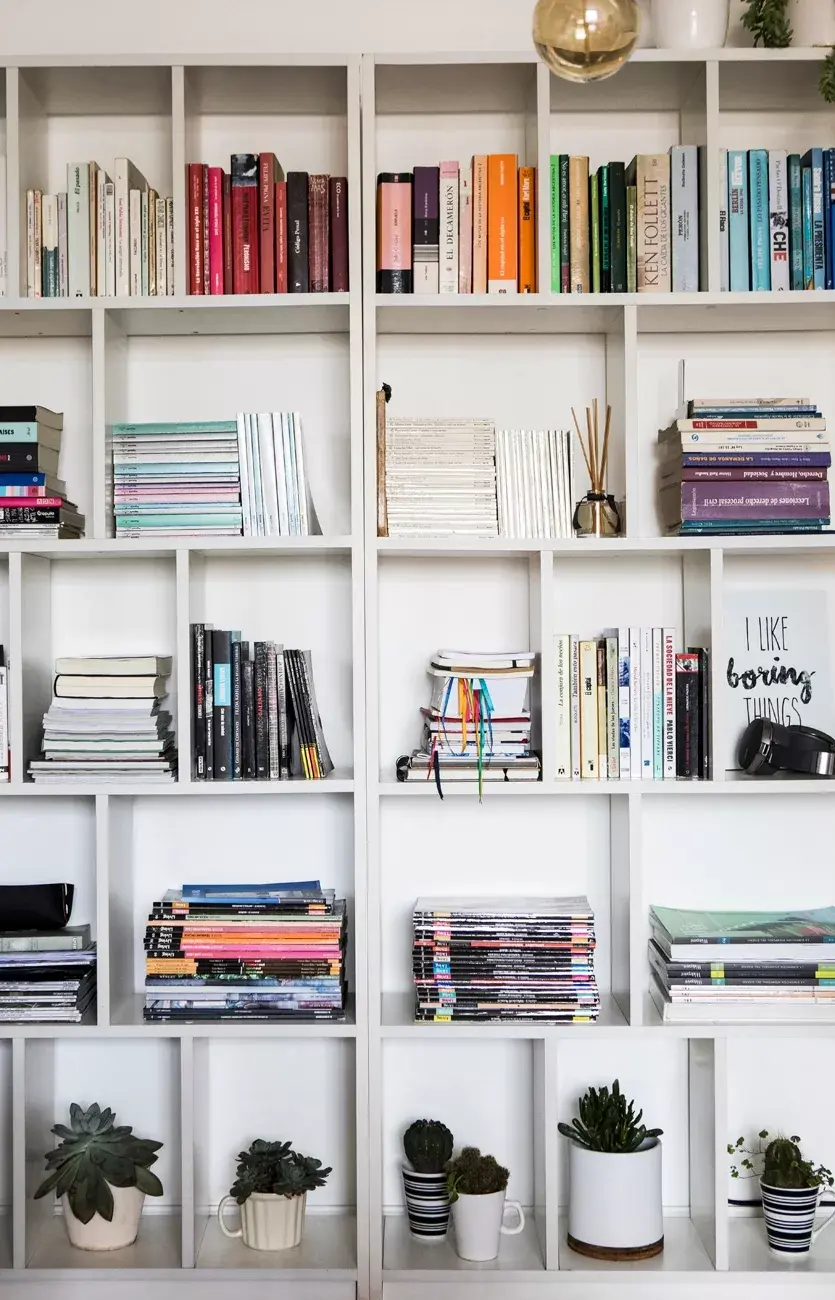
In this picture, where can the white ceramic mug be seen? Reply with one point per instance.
(690, 24)
(479, 1224)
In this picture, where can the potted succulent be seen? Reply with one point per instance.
(427, 1145)
(271, 1186)
(614, 1166)
(102, 1175)
(477, 1186)
(791, 1189)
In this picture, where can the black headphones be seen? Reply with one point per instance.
(767, 747)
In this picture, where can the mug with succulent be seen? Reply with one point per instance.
(477, 1186)
(790, 1187)
(777, 24)
(271, 1185)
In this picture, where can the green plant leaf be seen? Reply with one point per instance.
(104, 1200)
(148, 1182)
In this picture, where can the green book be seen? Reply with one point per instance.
(603, 205)
(565, 248)
(808, 929)
(631, 239)
(594, 233)
(555, 224)
(617, 226)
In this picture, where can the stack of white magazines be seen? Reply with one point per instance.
(275, 495)
(440, 478)
(535, 482)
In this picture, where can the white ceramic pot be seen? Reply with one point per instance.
(98, 1234)
(812, 22)
(478, 1223)
(268, 1222)
(614, 1207)
(690, 24)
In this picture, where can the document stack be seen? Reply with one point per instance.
(33, 499)
(47, 975)
(177, 480)
(440, 478)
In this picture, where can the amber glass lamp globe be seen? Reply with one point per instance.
(585, 40)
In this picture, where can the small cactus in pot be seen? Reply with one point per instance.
(427, 1145)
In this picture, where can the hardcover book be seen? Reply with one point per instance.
(778, 204)
(578, 194)
(448, 204)
(650, 174)
(502, 223)
(738, 220)
(426, 229)
(298, 266)
(684, 186)
(246, 233)
(758, 214)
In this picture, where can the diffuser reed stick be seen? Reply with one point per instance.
(595, 453)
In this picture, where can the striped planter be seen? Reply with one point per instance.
(789, 1217)
(427, 1205)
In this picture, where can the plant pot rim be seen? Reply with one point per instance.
(272, 1196)
(416, 1173)
(477, 1196)
(649, 1144)
(772, 1187)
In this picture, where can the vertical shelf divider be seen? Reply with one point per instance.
(187, 1054)
(19, 1198)
(182, 666)
(622, 396)
(708, 1138)
(541, 569)
(14, 249)
(626, 904)
(15, 661)
(102, 807)
(178, 160)
(546, 1161)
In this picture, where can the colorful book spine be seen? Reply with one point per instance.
(650, 174)
(216, 230)
(738, 220)
(602, 722)
(684, 187)
(612, 708)
(603, 204)
(394, 231)
(617, 226)
(269, 172)
(554, 191)
(795, 184)
(759, 459)
(338, 234)
(448, 203)
(594, 232)
(465, 231)
(624, 704)
(808, 231)
(631, 239)
(657, 704)
(647, 705)
(502, 223)
(758, 217)
(425, 229)
(669, 652)
(318, 226)
(827, 210)
(687, 716)
(578, 187)
(830, 229)
(635, 703)
(565, 224)
(813, 159)
(527, 230)
(562, 646)
(724, 242)
(479, 223)
(588, 710)
(245, 223)
(778, 219)
(298, 232)
(753, 500)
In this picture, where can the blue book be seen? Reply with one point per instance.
(753, 526)
(758, 217)
(830, 228)
(808, 259)
(795, 222)
(813, 160)
(23, 480)
(237, 893)
(827, 208)
(738, 220)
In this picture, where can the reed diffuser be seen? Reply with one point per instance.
(596, 514)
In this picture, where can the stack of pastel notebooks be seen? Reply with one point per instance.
(483, 959)
(713, 967)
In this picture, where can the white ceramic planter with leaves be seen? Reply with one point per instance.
(268, 1222)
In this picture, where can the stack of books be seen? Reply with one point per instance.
(630, 706)
(453, 229)
(254, 710)
(251, 230)
(102, 237)
(776, 219)
(47, 975)
(105, 723)
(275, 496)
(711, 967)
(483, 959)
(440, 477)
(33, 500)
(5, 746)
(535, 482)
(745, 465)
(246, 952)
(478, 723)
(626, 228)
(177, 479)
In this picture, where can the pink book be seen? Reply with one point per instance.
(215, 230)
(465, 231)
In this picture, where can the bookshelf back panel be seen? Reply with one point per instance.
(294, 1090)
(5, 1153)
(793, 130)
(105, 92)
(301, 142)
(283, 92)
(492, 1108)
(145, 139)
(772, 90)
(589, 597)
(458, 848)
(645, 90)
(606, 139)
(53, 841)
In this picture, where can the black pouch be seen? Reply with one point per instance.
(35, 907)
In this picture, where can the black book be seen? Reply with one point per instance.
(222, 704)
(704, 711)
(209, 702)
(31, 415)
(617, 226)
(37, 514)
(272, 708)
(237, 709)
(322, 755)
(298, 274)
(262, 726)
(604, 218)
(248, 724)
(198, 701)
(283, 717)
(303, 735)
(17, 456)
(687, 716)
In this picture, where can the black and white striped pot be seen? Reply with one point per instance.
(427, 1205)
(789, 1219)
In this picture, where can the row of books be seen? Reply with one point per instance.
(5, 745)
(454, 229)
(626, 228)
(490, 959)
(105, 722)
(629, 707)
(48, 976)
(33, 500)
(102, 237)
(251, 230)
(776, 219)
(745, 465)
(254, 710)
(245, 952)
(715, 967)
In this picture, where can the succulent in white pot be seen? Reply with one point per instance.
(477, 1186)
(614, 1168)
(102, 1175)
(271, 1185)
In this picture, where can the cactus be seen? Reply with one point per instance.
(428, 1146)
(778, 1162)
(472, 1174)
(608, 1122)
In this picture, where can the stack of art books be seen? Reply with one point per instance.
(47, 975)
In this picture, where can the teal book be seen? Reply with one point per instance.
(759, 219)
(753, 525)
(226, 427)
(795, 222)
(177, 521)
(808, 234)
(565, 227)
(603, 203)
(556, 285)
(594, 233)
(18, 432)
(688, 926)
(617, 226)
(813, 159)
(738, 220)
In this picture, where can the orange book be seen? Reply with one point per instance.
(527, 230)
(479, 202)
(502, 224)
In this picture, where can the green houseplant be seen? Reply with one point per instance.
(271, 1185)
(427, 1146)
(477, 1186)
(614, 1164)
(768, 22)
(102, 1175)
(790, 1187)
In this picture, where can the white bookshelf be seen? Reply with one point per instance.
(373, 610)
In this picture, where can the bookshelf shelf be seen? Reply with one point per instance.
(327, 1253)
(158, 1247)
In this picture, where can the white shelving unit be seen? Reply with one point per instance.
(373, 610)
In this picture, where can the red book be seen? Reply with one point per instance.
(339, 234)
(269, 171)
(205, 193)
(42, 503)
(215, 230)
(318, 223)
(195, 227)
(281, 237)
(227, 233)
(245, 224)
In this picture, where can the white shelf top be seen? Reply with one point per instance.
(269, 313)
(405, 1259)
(158, 1246)
(749, 1253)
(339, 782)
(126, 1017)
(683, 1253)
(598, 548)
(115, 548)
(327, 1252)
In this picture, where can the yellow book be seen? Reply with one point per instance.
(578, 202)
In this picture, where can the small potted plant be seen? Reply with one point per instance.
(427, 1145)
(614, 1167)
(271, 1186)
(102, 1175)
(477, 1186)
(790, 1187)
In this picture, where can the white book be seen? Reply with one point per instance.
(268, 473)
(78, 228)
(4, 238)
(109, 289)
(125, 178)
(38, 243)
(588, 710)
(250, 466)
(500, 484)
(169, 243)
(448, 212)
(162, 250)
(144, 264)
(624, 703)
(646, 704)
(101, 232)
(152, 243)
(243, 470)
(465, 231)
(63, 255)
(635, 703)
(724, 228)
(562, 649)
(657, 704)
(554, 452)
(255, 454)
(669, 704)
(576, 767)
(778, 218)
(568, 482)
(612, 706)
(30, 244)
(135, 234)
(4, 723)
(289, 477)
(308, 521)
(279, 418)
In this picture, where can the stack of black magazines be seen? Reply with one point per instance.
(504, 959)
(47, 975)
(254, 711)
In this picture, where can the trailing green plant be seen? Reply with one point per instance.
(472, 1174)
(608, 1122)
(428, 1146)
(274, 1167)
(826, 82)
(779, 1162)
(94, 1156)
(768, 23)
